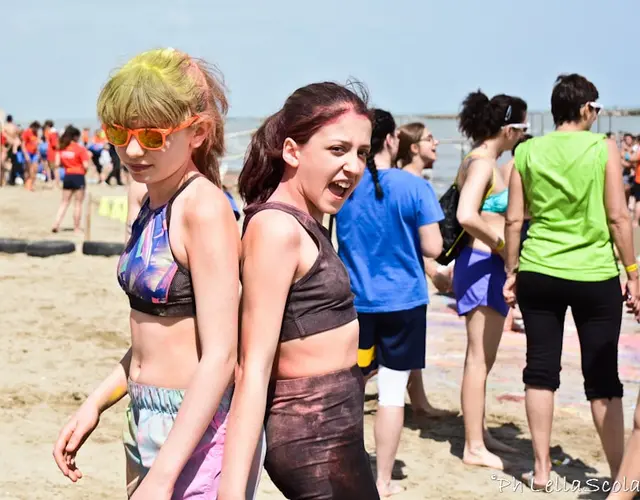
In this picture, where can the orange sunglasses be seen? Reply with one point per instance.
(149, 138)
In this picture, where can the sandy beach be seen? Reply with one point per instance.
(64, 324)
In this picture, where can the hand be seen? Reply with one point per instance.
(442, 279)
(633, 297)
(72, 437)
(509, 290)
(150, 489)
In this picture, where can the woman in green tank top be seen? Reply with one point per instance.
(570, 181)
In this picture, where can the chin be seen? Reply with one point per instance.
(333, 207)
(142, 178)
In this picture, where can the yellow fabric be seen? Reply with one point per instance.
(366, 356)
(113, 207)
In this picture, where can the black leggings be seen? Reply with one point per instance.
(597, 312)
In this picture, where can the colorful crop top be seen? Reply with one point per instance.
(322, 299)
(155, 282)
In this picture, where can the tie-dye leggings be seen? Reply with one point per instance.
(315, 438)
(150, 417)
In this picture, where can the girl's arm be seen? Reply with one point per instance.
(113, 388)
(271, 248)
(478, 178)
(212, 243)
(84, 421)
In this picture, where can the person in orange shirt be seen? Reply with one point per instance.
(31, 154)
(51, 138)
(74, 158)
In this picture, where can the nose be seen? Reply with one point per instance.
(354, 165)
(436, 142)
(134, 150)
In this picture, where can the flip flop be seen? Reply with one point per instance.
(528, 478)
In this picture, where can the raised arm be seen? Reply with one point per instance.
(477, 181)
(270, 255)
(212, 244)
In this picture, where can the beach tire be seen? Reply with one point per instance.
(13, 245)
(102, 248)
(48, 248)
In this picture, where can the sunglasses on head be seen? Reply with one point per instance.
(519, 126)
(596, 106)
(149, 138)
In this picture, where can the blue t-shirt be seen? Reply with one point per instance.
(234, 206)
(379, 241)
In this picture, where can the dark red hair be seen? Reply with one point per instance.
(304, 112)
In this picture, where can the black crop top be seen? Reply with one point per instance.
(322, 299)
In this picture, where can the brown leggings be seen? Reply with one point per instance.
(315, 442)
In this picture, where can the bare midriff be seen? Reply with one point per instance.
(318, 354)
(164, 351)
(496, 221)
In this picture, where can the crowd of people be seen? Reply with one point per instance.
(225, 380)
(28, 156)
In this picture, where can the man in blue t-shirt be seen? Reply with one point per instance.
(384, 230)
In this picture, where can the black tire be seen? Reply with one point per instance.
(13, 245)
(102, 248)
(48, 248)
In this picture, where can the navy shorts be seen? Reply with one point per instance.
(73, 182)
(395, 340)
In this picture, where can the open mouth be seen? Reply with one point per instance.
(339, 188)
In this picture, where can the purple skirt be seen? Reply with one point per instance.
(478, 279)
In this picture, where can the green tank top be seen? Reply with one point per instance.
(563, 179)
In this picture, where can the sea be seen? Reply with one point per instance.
(452, 148)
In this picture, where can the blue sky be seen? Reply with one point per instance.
(419, 56)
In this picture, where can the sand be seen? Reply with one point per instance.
(64, 324)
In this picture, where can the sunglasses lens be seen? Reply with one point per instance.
(151, 139)
(116, 136)
(595, 108)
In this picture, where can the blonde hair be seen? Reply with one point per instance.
(408, 134)
(163, 87)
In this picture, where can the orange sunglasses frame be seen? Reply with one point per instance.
(134, 132)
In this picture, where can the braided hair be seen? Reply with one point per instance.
(383, 125)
